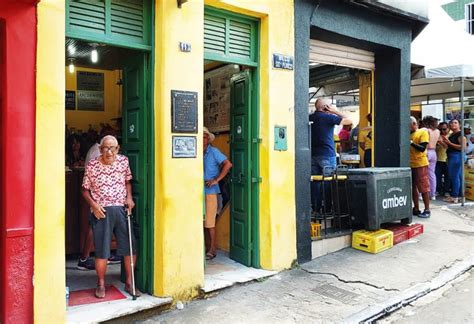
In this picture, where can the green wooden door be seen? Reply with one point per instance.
(240, 223)
(134, 140)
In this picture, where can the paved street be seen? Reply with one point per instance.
(336, 286)
(453, 304)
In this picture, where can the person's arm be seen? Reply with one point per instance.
(129, 201)
(226, 165)
(334, 111)
(419, 147)
(459, 145)
(441, 142)
(97, 210)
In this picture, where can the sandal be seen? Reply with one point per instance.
(128, 289)
(100, 292)
(210, 256)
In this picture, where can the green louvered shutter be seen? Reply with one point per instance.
(119, 22)
(230, 37)
(87, 16)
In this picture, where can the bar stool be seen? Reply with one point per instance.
(334, 177)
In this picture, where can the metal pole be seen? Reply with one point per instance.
(463, 147)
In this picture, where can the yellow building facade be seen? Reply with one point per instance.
(177, 184)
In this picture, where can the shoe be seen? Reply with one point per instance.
(433, 198)
(128, 289)
(416, 212)
(425, 214)
(114, 259)
(446, 194)
(452, 200)
(100, 292)
(87, 264)
(210, 256)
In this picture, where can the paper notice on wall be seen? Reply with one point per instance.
(217, 98)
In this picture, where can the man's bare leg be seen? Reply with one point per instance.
(100, 269)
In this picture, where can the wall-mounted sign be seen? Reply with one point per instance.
(90, 100)
(184, 111)
(184, 47)
(70, 100)
(281, 61)
(90, 91)
(184, 146)
(92, 81)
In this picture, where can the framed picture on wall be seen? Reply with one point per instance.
(184, 146)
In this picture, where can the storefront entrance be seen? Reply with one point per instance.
(107, 96)
(231, 112)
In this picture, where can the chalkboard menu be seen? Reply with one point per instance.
(184, 111)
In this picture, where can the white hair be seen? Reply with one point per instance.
(413, 120)
(108, 137)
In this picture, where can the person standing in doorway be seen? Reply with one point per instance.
(323, 154)
(85, 262)
(216, 167)
(345, 136)
(107, 188)
(419, 140)
(365, 142)
(431, 125)
(455, 144)
(442, 176)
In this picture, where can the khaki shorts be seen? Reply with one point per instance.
(211, 211)
(420, 179)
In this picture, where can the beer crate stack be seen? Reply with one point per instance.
(383, 239)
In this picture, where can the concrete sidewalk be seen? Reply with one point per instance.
(338, 286)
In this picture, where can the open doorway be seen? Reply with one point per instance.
(231, 114)
(106, 94)
(349, 90)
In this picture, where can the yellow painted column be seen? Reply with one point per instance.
(49, 262)
(178, 241)
(277, 218)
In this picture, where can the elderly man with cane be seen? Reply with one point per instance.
(107, 189)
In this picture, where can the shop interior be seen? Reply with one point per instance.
(94, 82)
(222, 271)
(350, 92)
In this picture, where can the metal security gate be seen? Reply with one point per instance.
(335, 54)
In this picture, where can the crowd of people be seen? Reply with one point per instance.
(436, 160)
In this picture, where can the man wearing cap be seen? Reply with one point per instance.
(216, 167)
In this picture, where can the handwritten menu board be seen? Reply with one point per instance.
(184, 111)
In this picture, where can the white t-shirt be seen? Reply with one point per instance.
(93, 153)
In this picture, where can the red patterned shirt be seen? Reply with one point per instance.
(106, 182)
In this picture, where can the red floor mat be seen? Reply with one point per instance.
(87, 296)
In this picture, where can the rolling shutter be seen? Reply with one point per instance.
(229, 37)
(109, 21)
(334, 54)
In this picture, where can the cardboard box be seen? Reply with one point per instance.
(372, 241)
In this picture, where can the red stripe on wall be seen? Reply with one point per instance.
(17, 149)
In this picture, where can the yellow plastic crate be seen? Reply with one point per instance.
(372, 241)
(315, 230)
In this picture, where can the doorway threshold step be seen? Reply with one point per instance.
(222, 272)
(100, 312)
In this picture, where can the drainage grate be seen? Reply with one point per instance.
(328, 290)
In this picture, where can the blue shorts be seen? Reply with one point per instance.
(115, 222)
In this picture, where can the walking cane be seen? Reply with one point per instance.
(129, 215)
